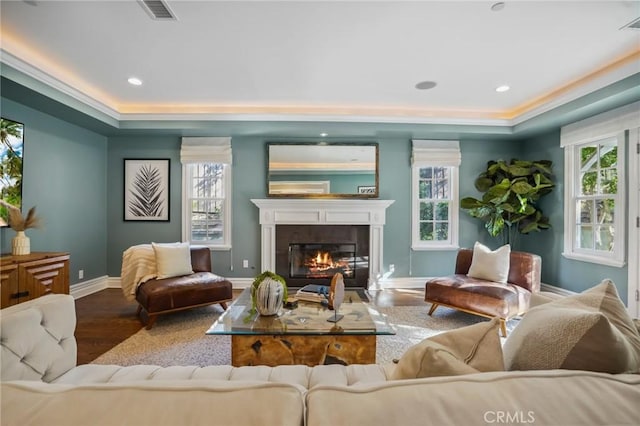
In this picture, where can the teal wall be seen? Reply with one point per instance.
(249, 181)
(556, 270)
(75, 177)
(65, 169)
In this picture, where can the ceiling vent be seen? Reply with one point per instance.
(158, 10)
(634, 25)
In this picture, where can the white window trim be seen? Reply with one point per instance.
(611, 124)
(227, 213)
(435, 153)
(207, 150)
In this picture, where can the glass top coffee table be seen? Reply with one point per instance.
(302, 335)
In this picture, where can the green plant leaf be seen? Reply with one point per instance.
(544, 166)
(519, 171)
(470, 203)
(507, 207)
(521, 188)
(495, 226)
(483, 184)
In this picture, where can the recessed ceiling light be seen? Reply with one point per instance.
(324, 135)
(135, 81)
(496, 7)
(502, 88)
(426, 85)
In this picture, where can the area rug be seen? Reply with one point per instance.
(180, 339)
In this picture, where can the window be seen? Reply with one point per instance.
(595, 194)
(206, 191)
(595, 208)
(435, 194)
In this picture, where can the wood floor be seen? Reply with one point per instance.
(106, 318)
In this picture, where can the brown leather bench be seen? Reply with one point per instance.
(162, 296)
(487, 298)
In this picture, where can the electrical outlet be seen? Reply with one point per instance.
(81, 274)
(392, 267)
(245, 263)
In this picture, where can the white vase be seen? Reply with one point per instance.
(20, 244)
(269, 297)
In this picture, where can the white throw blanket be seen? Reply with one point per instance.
(138, 266)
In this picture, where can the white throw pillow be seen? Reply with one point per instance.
(172, 259)
(490, 265)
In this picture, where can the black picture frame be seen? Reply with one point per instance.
(146, 193)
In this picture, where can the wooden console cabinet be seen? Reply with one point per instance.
(33, 275)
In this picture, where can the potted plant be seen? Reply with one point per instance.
(511, 193)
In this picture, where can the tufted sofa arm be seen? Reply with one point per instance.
(37, 338)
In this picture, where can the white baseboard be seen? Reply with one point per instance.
(400, 282)
(88, 287)
(553, 289)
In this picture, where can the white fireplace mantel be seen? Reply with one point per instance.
(322, 212)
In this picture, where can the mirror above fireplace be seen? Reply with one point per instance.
(323, 170)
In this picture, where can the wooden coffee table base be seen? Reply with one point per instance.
(272, 350)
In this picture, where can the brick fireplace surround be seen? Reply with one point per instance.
(323, 212)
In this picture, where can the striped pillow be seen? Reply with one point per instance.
(587, 331)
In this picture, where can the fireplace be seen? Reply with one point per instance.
(313, 254)
(367, 216)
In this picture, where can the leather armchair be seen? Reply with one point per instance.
(487, 298)
(162, 296)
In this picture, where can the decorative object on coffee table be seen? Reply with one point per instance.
(268, 293)
(20, 244)
(336, 296)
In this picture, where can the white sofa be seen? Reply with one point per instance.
(41, 385)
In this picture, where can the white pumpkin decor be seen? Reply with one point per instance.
(269, 292)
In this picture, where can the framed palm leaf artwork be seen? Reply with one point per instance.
(146, 189)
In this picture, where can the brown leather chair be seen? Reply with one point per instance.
(201, 288)
(487, 298)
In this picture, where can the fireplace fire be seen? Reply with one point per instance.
(321, 260)
(301, 259)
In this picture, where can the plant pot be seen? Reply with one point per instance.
(20, 244)
(269, 297)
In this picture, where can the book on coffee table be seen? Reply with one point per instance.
(313, 293)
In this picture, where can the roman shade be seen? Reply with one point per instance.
(206, 150)
(435, 153)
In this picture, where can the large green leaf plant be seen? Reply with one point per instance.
(511, 191)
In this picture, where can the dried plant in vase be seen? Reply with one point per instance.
(21, 245)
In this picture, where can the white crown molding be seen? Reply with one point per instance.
(337, 118)
(592, 85)
(56, 84)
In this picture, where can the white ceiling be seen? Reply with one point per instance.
(324, 60)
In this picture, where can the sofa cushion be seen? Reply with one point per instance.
(37, 338)
(472, 349)
(172, 259)
(587, 331)
(558, 397)
(162, 402)
(490, 265)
